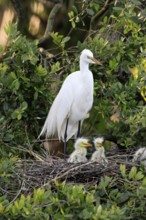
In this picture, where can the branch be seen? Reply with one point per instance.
(96, 16)
(50, 23)
(22, 18)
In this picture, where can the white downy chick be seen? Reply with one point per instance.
(99, 154)
(140, 156)
(80, 152)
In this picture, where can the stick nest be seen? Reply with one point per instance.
(30, 174)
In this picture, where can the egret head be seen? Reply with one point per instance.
(98, 142)
(87, 56)
(82, 143)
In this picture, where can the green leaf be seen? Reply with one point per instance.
(90, 198)
(139, 176)
(132, 173)
(117, 8)
(15, 84)
(90, 11)
(19, 116)
(71, 14)
(24, 106)
(8, 137)
(13, 75)
(144, 182)
(55, 67)
(73, 24)
(65, 39)
(136, 2)
(41, 70)
(123, 170)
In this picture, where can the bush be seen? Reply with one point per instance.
(119, 197)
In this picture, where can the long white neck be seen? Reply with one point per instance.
(84, 66)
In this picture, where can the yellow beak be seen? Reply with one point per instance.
(95, 61)
(99, 144)
(87, 144)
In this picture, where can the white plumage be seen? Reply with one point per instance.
(140, 156)
(99, 154)
(73, 101)
(80, 152)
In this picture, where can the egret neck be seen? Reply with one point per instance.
(84, 66)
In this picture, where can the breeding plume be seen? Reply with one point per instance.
(99, 153)
(80, 152)
(72, 103)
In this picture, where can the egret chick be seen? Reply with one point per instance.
(140, 156)
(80, 152)
(72, 103)
(99, 154)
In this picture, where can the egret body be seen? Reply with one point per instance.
(72, 103)
(99, 153)
(80, 152)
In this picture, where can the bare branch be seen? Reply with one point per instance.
(50, 23)
(96, 16)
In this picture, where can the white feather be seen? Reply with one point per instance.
(99, 154)
(73, 101)
(80, 152)
(140, 156)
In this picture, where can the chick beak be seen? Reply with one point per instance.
(87, 144)
(95, 61)
(99, 144)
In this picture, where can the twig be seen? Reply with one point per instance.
(18, 193)
(49, 139)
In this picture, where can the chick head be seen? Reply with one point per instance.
(98, 142)
(82, 143)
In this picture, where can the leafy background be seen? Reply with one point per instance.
(30, 77)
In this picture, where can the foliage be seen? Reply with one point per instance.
(24, 84)
(119, 103)
(119, 197)
(29, 80)
(29, 76)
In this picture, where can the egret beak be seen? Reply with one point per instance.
(87, 144)
(95, 61)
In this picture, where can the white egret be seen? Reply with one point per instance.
(140, 156)
(80, 152)
(99, 153)
(72, 103)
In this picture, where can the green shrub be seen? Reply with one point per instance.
(119, 197)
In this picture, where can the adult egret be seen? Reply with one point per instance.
(140, 156)
(72, 103)
(80, 152)
(99, 153)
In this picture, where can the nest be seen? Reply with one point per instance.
(30, 174)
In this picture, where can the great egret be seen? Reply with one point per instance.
(99, 154)
(72, 103)
(80, 152)
(140, 156)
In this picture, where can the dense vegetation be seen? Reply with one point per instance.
(29, 80)
(116, 197)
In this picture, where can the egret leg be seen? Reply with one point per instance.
(79, 129)
(65, 137)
